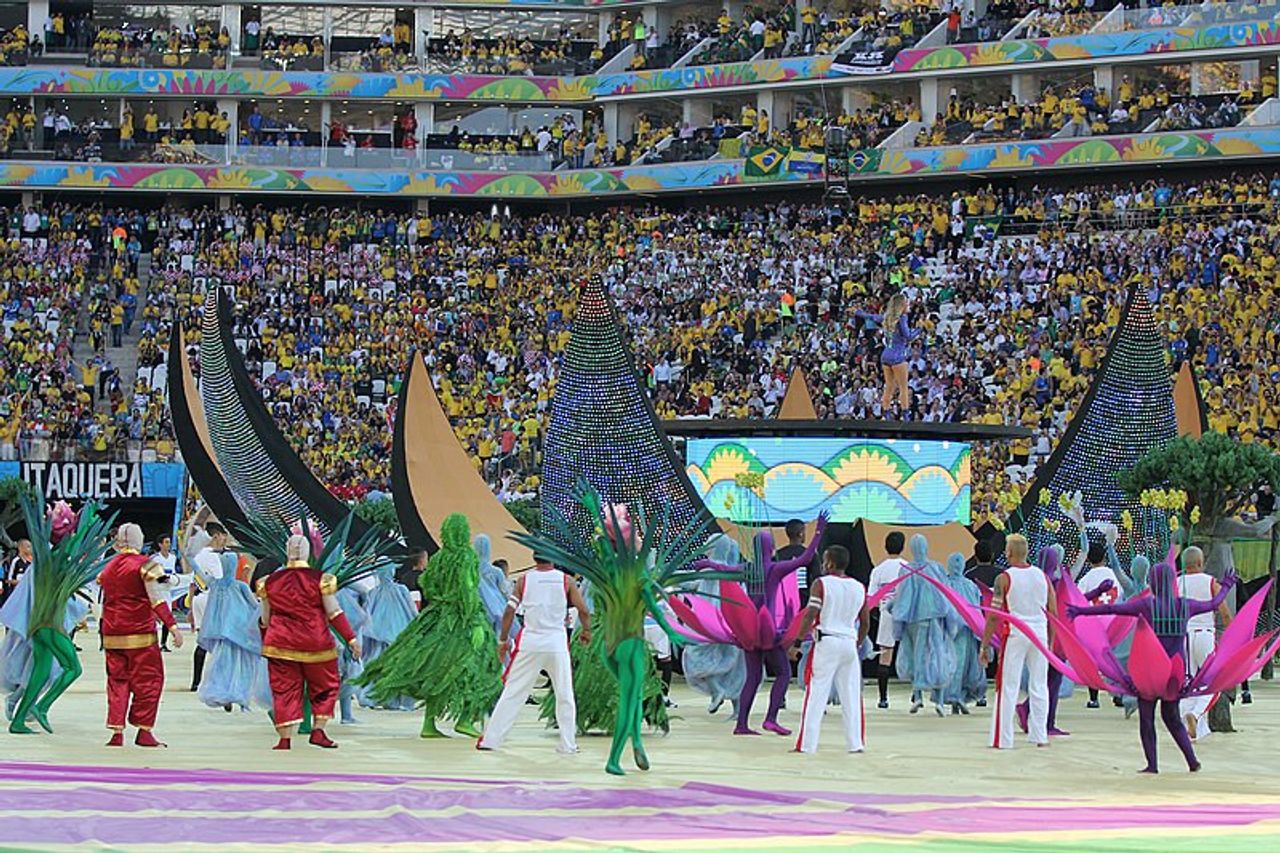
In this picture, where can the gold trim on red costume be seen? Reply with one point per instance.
(328, 584)
(128, 641)
(299, 656)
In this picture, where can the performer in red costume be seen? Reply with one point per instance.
(298, 609)
(133, 600)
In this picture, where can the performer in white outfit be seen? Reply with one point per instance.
(1201, 635)
(886, 572)
(1024, 591)
(542, 598)
(838, 605)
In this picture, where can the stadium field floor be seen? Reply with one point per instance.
(924, 784)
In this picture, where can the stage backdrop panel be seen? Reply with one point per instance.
(889, 481)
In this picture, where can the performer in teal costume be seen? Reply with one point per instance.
(494, 587)
(717, 669)
(927, 622)
(236, 672)
(969, 681)
(390, 609)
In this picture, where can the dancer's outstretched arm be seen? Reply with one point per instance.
(708, 563)
(1196, 606)
(782, 568)
(1132, 607)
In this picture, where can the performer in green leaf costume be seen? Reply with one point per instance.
(629, 573)
(444, 658)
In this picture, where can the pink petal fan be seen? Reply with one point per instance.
(1149, 665)
(1086, 668)
(694, 626)
(1236, 636)
(740, 615)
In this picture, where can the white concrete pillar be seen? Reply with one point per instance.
(1025, 88)
(1104, 80)
(603, 22)
(619, 121)
(777, 105)
(37, 15)
(423, 26)
(657, 19)
(327, 34)
(854, 98)
(231, 20)
(232, 109)
(929, 102)
(224, 201)
(734, 8)
(696, 111)
(425, 113)
(326, 119)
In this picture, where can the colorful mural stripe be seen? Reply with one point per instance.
(667, 177)
(125, 82)
(115, 808)
(1089, 46)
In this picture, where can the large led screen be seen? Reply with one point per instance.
(891, 481)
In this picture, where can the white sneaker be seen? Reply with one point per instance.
(562, 751)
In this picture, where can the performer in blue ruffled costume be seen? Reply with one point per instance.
(350, 667)
(926, 623)
(717, 669)
(16, 650)
(235, 672)
(969, 682)
(389, 608)
(494, 587)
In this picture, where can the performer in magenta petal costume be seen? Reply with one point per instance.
(1166, 613)
(759, 615)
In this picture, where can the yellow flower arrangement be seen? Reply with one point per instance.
(1173, 524)
(1126, 520)
(1195, 515)
(997, 523)
(1044, 498)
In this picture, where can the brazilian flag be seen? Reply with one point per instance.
(765, 161)
(865, 160)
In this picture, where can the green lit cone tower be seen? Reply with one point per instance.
(1127, 411)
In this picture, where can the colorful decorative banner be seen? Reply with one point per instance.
(123, 82)
(875, 163)
(1089, 46)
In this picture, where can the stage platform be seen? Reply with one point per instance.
(924, 783)
(841, 428)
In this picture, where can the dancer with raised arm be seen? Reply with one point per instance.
(1168, 614)
(760, 615)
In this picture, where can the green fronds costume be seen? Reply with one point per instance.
(595, 688)
(445, 657)
(59, 570)
(628, 575)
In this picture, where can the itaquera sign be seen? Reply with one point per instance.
(99, 480)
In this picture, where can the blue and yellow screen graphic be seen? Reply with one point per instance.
(890, 481)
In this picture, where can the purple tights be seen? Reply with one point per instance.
(1055, 685)
(1147, 729)
(777, 659)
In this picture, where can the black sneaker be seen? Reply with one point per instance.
(1092, 703)
(981, 703)
(1246, 698)
(884, 703)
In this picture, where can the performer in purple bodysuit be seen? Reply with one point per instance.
(1166, 613)
(758, 612)
(893, 361)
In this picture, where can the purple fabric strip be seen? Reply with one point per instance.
(165, 776)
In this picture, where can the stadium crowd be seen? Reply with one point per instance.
(720, 304)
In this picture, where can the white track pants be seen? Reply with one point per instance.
(1018, 652)
(834, 661)
(1201, 643)
(522, 673)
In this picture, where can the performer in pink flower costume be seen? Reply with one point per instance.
(754, 615)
